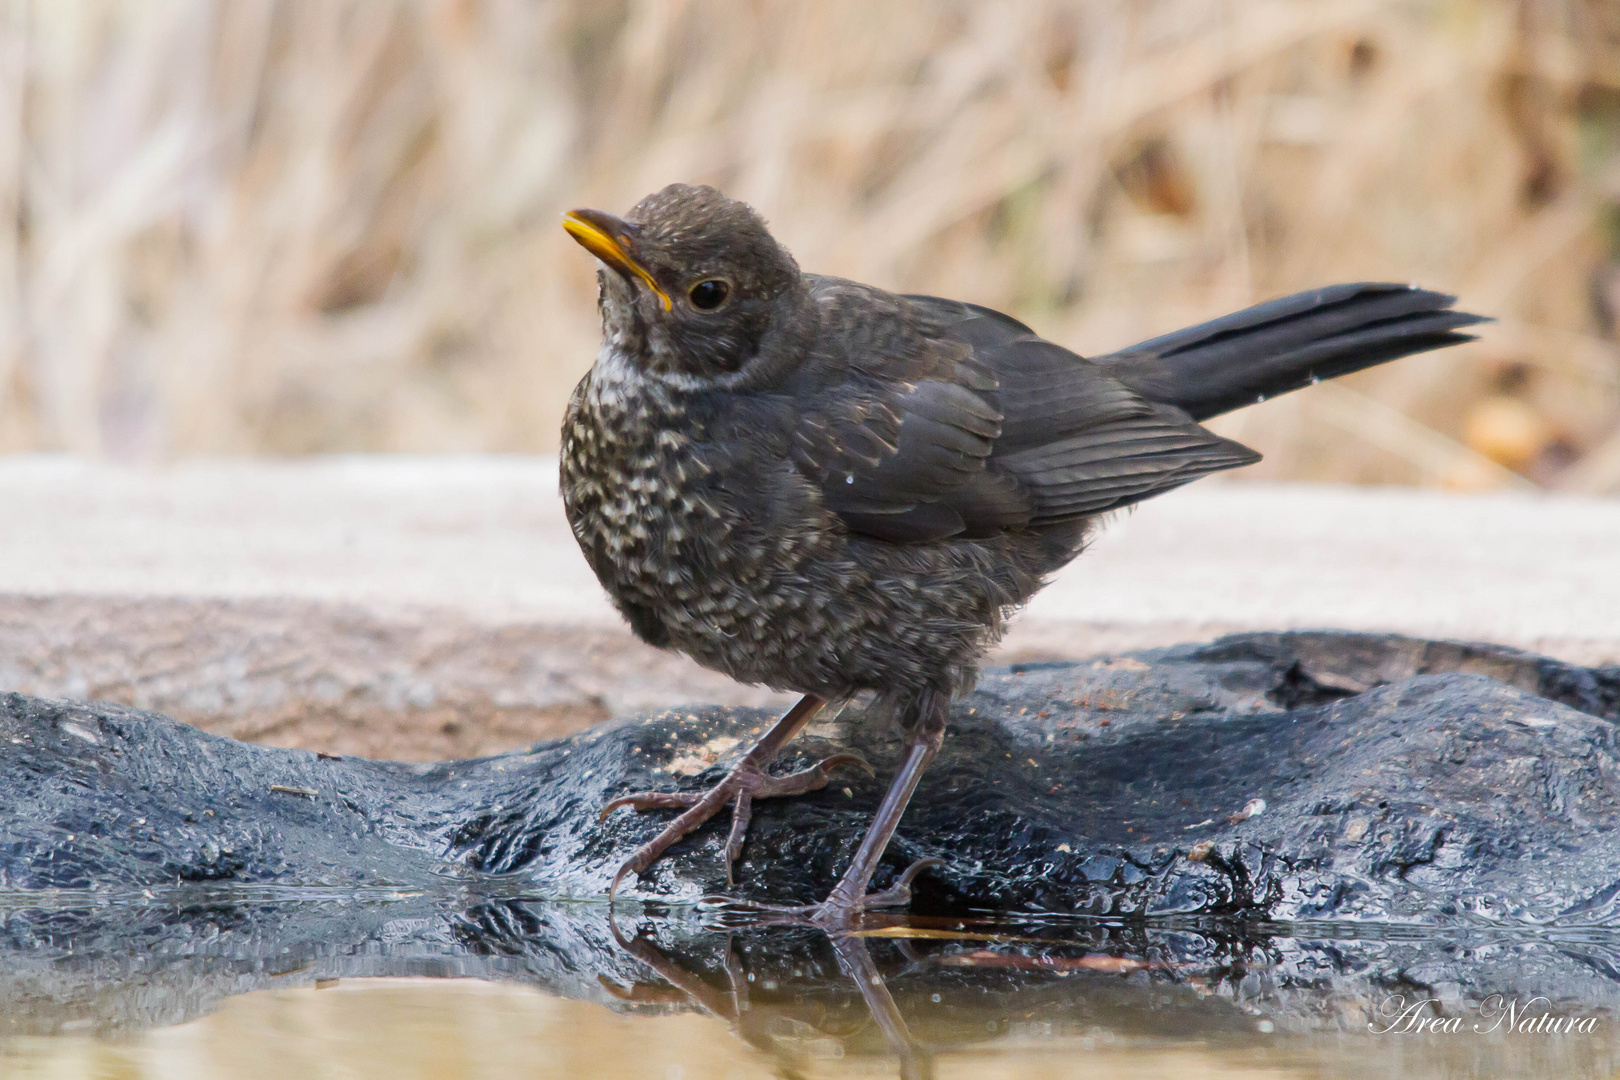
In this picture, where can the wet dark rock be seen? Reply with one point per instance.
(1281, 776)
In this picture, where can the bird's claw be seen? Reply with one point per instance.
(650, 800)
(740, 787)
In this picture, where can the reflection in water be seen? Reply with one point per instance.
(854, 963)
(260, 984)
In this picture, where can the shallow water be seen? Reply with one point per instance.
(252, 984)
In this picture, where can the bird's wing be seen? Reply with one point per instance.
(924, 418)
(1077, 439)
(895, 424)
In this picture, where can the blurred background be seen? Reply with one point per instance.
(306, 226)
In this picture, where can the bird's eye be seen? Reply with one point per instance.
(710, 294)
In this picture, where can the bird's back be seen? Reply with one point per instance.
(927, 418)
(933, 418)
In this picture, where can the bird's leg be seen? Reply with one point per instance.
(746, 782)
(925, 731)
(924, 735)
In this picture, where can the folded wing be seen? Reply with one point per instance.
(961, 421)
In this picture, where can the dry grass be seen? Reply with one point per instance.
(250, 226)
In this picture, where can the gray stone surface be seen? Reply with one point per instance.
(485, 536)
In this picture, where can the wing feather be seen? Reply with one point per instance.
(958, 420)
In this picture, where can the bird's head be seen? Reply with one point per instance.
(691, 281)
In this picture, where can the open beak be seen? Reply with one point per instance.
(612, 240)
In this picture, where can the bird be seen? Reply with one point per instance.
(828, 488)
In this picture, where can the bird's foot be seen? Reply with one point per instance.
(746, 782)
(840, 911)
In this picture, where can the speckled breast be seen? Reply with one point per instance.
(728, 554)
(678, 557)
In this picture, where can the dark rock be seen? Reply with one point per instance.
(1400, 779)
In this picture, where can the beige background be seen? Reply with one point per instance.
(290, 226)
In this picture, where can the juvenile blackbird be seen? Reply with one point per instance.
(821, 486)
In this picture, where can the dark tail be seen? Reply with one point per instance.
(1282, 345)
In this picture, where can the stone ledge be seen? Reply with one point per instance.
(420, 685)
(427, 608)
(423, 684)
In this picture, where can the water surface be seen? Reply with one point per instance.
(247, 984)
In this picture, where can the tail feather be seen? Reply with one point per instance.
(1284, 344)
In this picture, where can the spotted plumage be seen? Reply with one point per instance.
(713, 519)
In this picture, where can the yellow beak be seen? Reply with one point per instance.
(611, 239)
